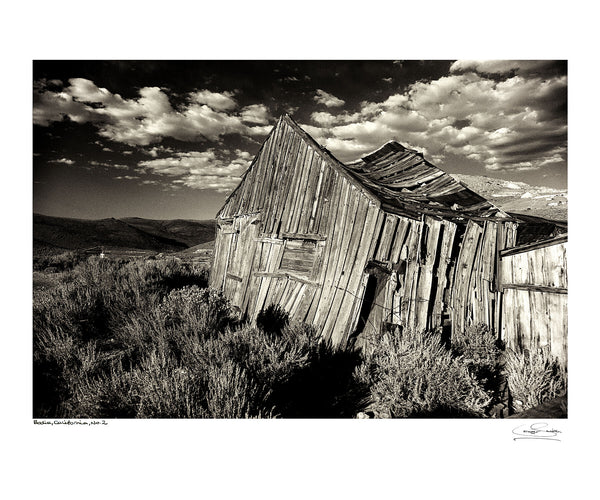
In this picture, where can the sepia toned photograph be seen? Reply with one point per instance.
(300, 239)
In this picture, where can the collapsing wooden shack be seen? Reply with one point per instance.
(387, 241)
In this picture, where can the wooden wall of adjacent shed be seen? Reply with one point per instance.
(534, 287)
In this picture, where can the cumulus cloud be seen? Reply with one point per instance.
(65, 161)
(328, 99)
(211, 169)
(154, 151)
(325, 119)
(256, 113)
(50, 106)
(150, 117)
(513, 123)
(217, 101)
(505, 115)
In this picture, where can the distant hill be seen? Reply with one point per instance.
(519, 197)
(188, 232)
(58, 234)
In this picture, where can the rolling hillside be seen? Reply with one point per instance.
(188, 232)
(519, 197)
(58, 234)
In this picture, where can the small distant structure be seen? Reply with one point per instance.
(94, 251)
(387, 242)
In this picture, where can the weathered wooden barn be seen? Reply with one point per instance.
(387, 240)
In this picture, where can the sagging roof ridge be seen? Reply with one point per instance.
(394, 147)
(376, 198)
(383, 146)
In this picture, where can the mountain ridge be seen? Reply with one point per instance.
(58, 234)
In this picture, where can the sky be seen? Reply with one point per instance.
(171, 139)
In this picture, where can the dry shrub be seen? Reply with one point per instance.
(116, 342)
(146, 340)
(201, 306)
(478, 349)
(58, 263)
(413, 375)
(230, 393)
(534, 377)
(273, 319)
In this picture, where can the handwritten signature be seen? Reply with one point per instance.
(538, 430)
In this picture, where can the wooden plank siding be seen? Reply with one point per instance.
(410, 266)
(533, 282)
(474, 297)
(315, 227)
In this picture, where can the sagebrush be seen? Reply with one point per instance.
(534, 377)
(413, 375)
(149, 339)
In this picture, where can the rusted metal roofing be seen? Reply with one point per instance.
(405, 182)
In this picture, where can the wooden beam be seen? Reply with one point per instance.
(286, 275)
(562, 238)
(268, 239)
(415, 210)
(536, 288)
(303, 236)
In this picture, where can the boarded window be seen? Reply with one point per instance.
(299, 257)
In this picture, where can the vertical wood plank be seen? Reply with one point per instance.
(317, 196)
(338, 205)
(399, 239)
(354, 264)
(349, 229)
(442, 271)
(423, 294)
(461, 292)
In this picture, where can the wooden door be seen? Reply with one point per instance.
(240, 250)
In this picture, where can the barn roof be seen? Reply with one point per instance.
(405, 181)
(401, 180)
